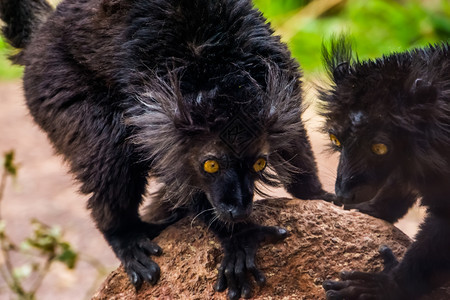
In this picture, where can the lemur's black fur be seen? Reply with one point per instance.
(390, 120)
(127, 89)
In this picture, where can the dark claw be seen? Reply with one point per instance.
(271, 235)
(329, 284)
(155, 270)
(385, 250)
(135, 279)
(246, 290)
(282, 233)
(233, 294)
(229, 275)
(334, 285)
(344, 274)
(333, 295)
(221, 283)
(149, 278)
(150, 247)
(259, 277)
(139, 271)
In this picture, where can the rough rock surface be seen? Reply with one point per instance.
(323, 240)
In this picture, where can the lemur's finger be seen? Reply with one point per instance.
(272, 234)
(357, 275)
(251, 266)
(233, 291)
(389, 259)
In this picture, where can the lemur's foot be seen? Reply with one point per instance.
(239, 260)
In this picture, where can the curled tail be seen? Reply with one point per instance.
(22, 18)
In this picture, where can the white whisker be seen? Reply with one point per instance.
(199, 214)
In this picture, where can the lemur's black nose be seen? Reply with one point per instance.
(239, 214)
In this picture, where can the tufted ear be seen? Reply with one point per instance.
(423, 92)
(341, 71)
(338, 57)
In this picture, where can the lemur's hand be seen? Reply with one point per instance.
(356, 285)
(134, 252)
(329, 197)
(365, 208)
(239, 260)
(135, 247)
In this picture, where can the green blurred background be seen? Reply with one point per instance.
(377, 27)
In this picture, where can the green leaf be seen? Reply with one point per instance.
(68, 256)
(9, 164)
(44, 238)
(49, 240)
(25, 246)
(23, 271)
(2, 227)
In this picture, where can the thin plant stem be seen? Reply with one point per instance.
(2, 188)
(7, 270)
(43, 272)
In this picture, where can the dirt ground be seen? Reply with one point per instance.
(45, 191)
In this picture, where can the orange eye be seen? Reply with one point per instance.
(259, 165)
(335, 140)
(379, 149)
(211, 166)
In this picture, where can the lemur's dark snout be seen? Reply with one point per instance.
(239, 214)
(356, 194)
(234, 213)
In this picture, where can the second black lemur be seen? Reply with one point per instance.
(389, 119)
(200, 95)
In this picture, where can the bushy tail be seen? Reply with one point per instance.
(21, 18)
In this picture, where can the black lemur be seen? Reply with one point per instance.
(198, 94)
(390, 120)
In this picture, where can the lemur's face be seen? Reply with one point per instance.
(359, 127)
(228, 180)
(378, 114)
(367, 159)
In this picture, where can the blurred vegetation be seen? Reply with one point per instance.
(7, 70)
(377, 26)
(23, 266)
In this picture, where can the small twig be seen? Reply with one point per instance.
(7, 269)
(2, 188)
(6, 277)
(40, 277)
(312, 10)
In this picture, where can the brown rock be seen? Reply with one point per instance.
(324, 240)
